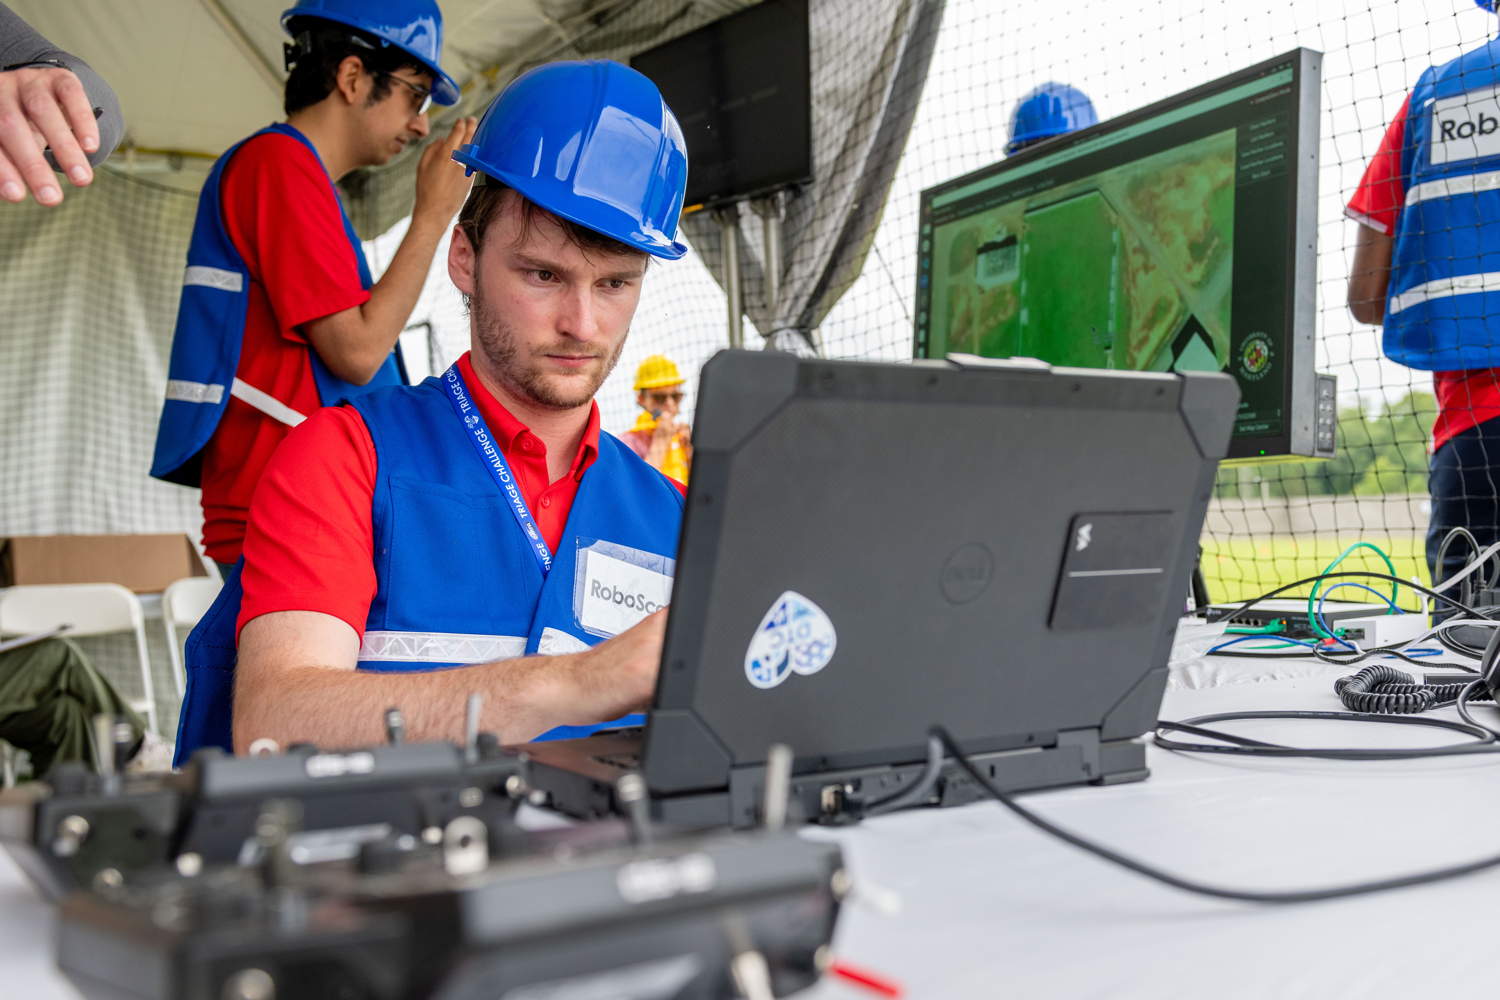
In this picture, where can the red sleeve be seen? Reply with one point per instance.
(284, 218)
(1382, 190)
(309, 544)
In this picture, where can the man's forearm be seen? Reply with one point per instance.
(355, 343)
(345, 708)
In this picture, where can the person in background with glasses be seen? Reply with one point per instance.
(658, 436)
(278, 314)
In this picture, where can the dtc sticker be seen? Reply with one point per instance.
(795, 636)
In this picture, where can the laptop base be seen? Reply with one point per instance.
(578, 779)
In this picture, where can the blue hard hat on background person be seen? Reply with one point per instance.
(1488, 5)
(413, 26)
(1050, 110)
(592, 142)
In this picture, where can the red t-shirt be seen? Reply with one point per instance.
(310, 543)
(1465, 398)
(284, 219)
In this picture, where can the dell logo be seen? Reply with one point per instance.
(966, 573)
(1085, 535)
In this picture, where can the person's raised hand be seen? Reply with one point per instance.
(442, 184)
(44, 107)
(667, 427)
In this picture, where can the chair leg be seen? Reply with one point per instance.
(174, 657)
(148, 689)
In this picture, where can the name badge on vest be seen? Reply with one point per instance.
(615, 586)
(1466, 127)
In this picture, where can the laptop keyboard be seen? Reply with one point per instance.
(623, 761)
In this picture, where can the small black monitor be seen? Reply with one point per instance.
(741, 89)
(1180, 237)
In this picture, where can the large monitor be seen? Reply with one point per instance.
(741, 89)
(1180, 237)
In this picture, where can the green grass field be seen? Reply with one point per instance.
(1239, 569)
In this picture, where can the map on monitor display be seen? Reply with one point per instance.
(1169, 239)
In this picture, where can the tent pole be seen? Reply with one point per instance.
(729, 228)
(772, 210)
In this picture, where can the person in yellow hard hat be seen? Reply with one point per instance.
(658, 436)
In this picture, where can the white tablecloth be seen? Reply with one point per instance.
(989, 907)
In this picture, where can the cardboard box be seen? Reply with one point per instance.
(142, 563)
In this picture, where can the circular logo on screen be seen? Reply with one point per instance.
(967, 573)
(1255, 357)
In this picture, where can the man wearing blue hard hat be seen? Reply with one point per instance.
(482, 517)
(1427, 270)
(278, 313)
(1048, 111)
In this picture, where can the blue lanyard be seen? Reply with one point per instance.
(489, 453)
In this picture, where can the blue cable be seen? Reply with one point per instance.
(1249, 638)
(1318, 614)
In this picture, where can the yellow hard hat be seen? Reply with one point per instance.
(656, 371)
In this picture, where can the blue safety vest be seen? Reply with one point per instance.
(1443, 304)
(458, 580)
(211, 330)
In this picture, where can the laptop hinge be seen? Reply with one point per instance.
(1087, 742)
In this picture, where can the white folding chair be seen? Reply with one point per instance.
(182, 604)
(89, 609)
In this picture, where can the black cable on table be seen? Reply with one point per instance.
(1202, 888)
(1483, 743)
(1462, 704)
(1361, 574)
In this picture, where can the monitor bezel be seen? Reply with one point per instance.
(1299, 378)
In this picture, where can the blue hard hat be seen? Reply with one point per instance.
(1488, 5)
(592, 142)
(1050, 110)
(413, 26)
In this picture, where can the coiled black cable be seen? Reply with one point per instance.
(1384, 690)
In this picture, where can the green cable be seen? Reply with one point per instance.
(1272, 628)
(1312, 595)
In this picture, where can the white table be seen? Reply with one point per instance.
(990, 907)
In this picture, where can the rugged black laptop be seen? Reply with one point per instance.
(868, 549)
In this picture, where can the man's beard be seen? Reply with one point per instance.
(521, 372)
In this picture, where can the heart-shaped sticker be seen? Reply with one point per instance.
(795, 636)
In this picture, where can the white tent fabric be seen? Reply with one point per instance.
(88, 290)
(195, 76)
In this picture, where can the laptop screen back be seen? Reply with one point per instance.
(870, 549)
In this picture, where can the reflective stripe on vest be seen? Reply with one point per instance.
(439, 647)
(214, 277)
(265, 403)
(1449, 187)
(452, 648)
